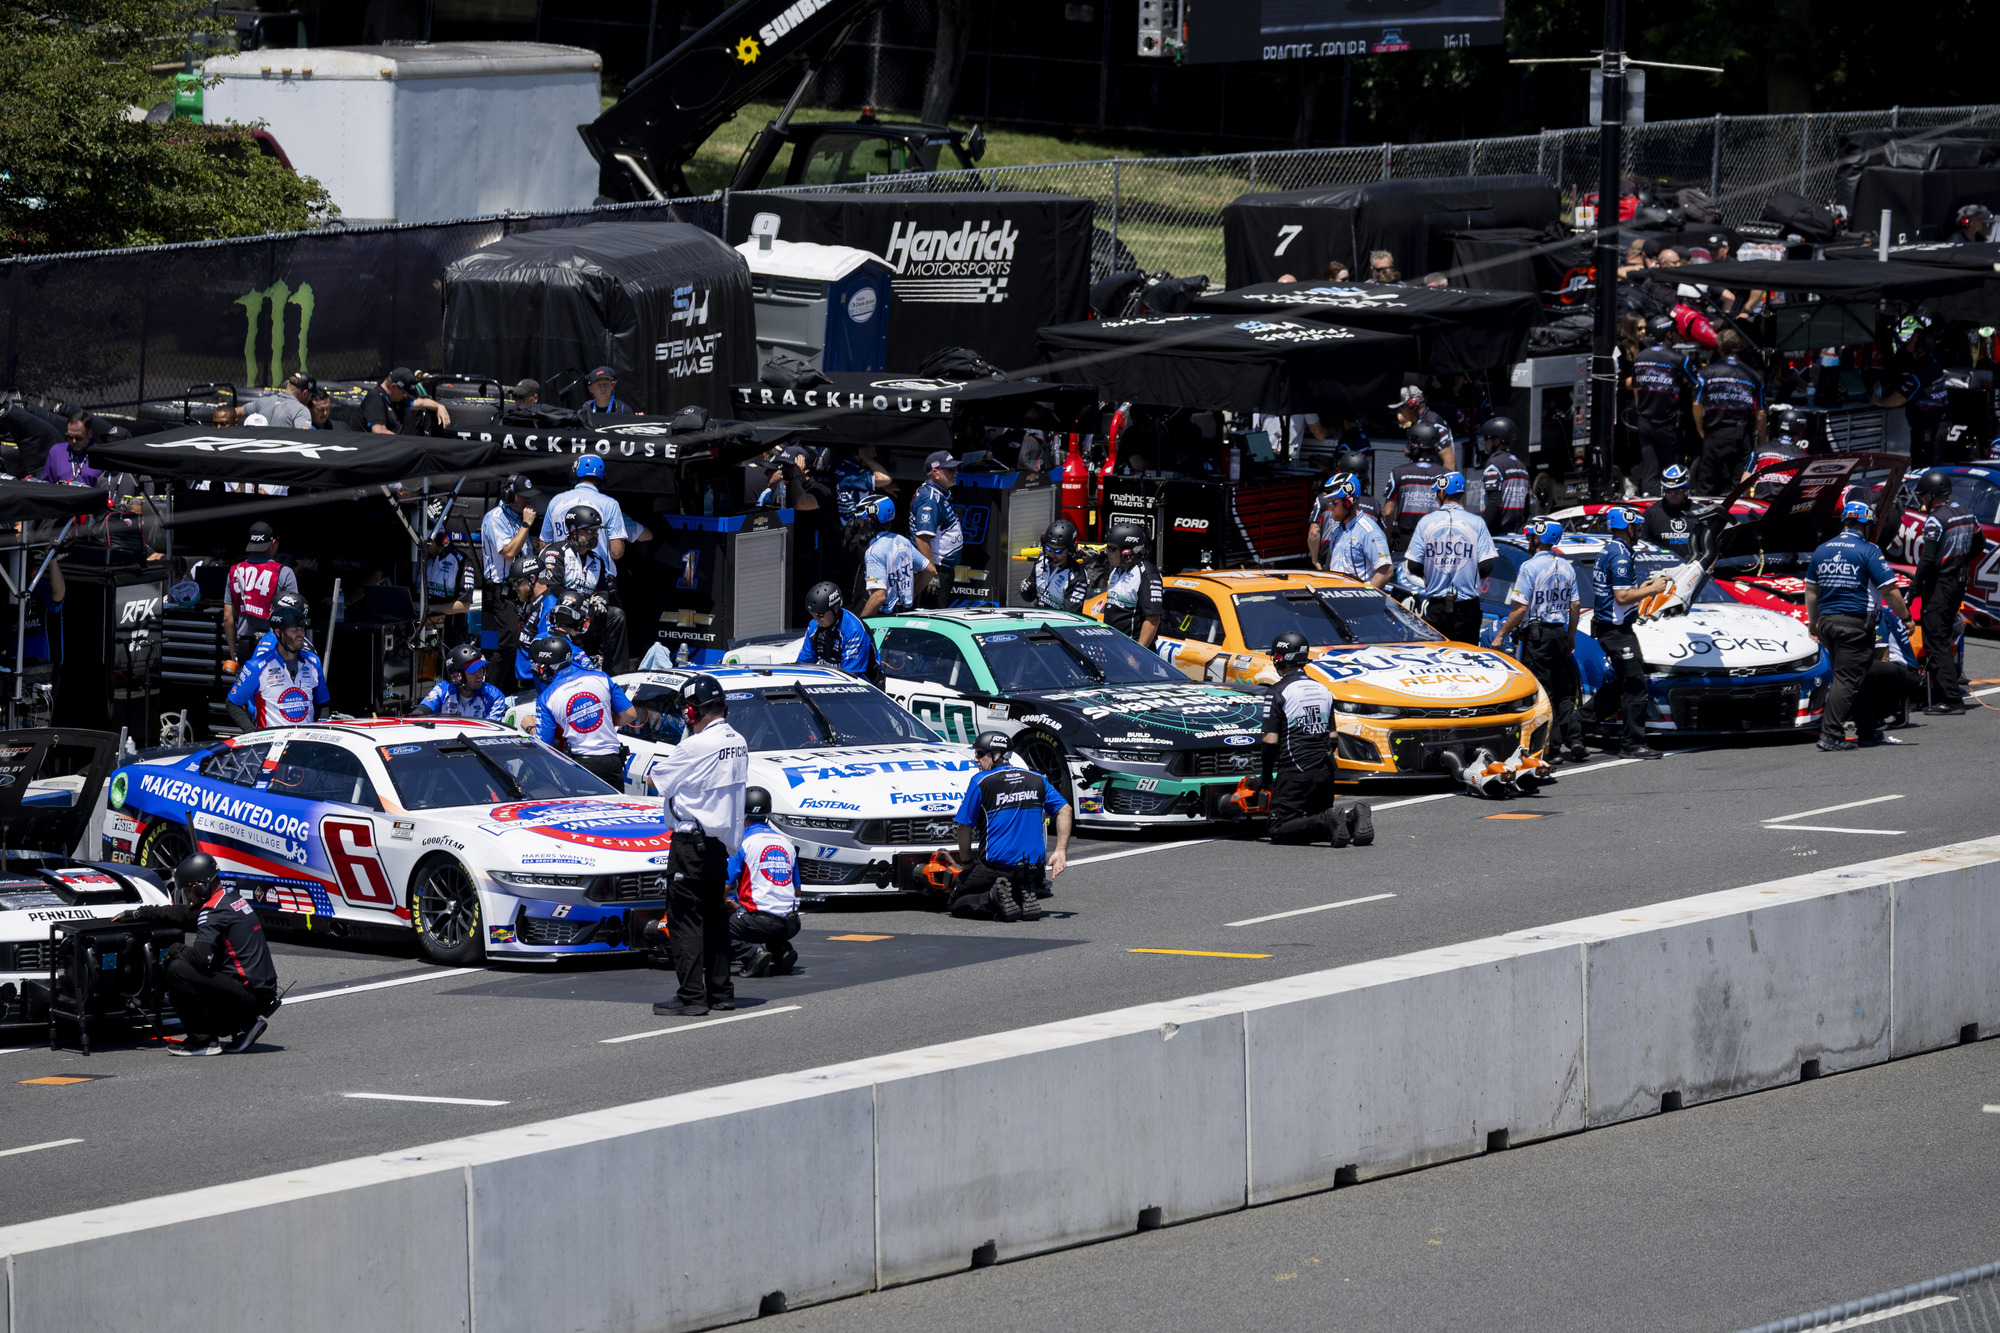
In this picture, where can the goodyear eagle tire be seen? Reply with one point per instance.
(444, 905)
(165, 846)
(1038, 748)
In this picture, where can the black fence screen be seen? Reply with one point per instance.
(113, 329)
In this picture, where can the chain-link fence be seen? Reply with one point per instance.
(1167, 212)
(1964, 1302)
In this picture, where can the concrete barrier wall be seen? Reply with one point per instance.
(689, 1211)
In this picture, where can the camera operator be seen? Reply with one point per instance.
(222, 982)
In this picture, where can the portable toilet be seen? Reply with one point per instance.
(828, 305)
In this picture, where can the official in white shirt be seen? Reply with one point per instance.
(701, 785)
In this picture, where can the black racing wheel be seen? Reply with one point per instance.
(165, 846)
(1039, 749)
(445, 905)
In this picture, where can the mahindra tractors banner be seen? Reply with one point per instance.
(977, 270)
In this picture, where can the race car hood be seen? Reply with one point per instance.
(1181, 716)
(1722, 639)
(1422, 674)
(30, 902)
(606, 832)
(871, 779)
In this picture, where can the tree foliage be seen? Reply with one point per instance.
(79, 172)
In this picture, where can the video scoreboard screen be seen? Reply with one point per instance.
(1275, 30)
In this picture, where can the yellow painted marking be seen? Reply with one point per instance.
(862, 938)
(1511, 815)
(1200, 953)
(53, 1081)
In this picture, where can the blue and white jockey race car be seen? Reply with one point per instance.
(866, 790)
(483, 841)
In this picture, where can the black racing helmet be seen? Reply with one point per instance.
(1423, 439)
(1290, 649)
(196, 877)
(570, 615)
(822, 598)
(1499, 428)
(1059, 538)
(702, 693)
(1934, 485)
(1128, 537)
(1351, 462)
(583, 516)
(992, 742)
(524, 569)
(548, 655)
(463, 659)
(288, 611)
(756, 803)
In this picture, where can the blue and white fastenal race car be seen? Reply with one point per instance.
(483, 841)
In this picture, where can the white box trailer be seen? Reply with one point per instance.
(423, 132)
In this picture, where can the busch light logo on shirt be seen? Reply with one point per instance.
(585, 712)
(294, 705)
(776, 867)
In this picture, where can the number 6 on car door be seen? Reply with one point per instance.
(356, 862)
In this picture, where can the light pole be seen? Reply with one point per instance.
(1604, 260)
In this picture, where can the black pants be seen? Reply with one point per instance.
(1299, 802)
(1549, 655)
(1851, 644)
(249, 629)
(1628, 675)
(1456, 620)
(211, 1005)
(751, 931)
(974, 890)
(1658, 451)
(1723, 452)
(1889, 687)
(608, 637)
(610, 767)
(698, 918)
(500, 613)
(1940, 622)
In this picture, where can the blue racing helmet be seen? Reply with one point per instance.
(1341, 486)
(1451, 483)
(589, 465)
(1674, 478)
(1546, 531)
(885, 511)
(1618, 519)
(1855, 511)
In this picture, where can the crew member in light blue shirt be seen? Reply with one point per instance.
(898, 573)
(1452, 552)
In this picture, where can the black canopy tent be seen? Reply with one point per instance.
(1452, 331)
(1276, 364)
(268, 456)
(908, 412)
(1848, 294)
(642, 455)
(1972, 256)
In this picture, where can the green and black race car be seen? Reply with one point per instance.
(1130, 740)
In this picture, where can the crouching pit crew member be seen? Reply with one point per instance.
(1846, 581)
(1617, 601)
(580, 710)
(701, 784)
(1298, 756)
(1008, 806)
(1545, 609)
(222, 982)
(765, 872)
(283, 683)
(838, 636)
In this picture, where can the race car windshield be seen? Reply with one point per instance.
(795, 717)
(1333, 617)
(1070, 657)
(440, 774)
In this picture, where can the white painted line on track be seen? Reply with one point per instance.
(1829, 828)
(37, 1147)
(1829, 809)
(1990, 689)
(1301, 911)
(1411, 800)
(1990, 1109)
(16, 1050)
(383, 985)
(1893, 1312)
(406, 1097)
(1140, 851)
(690, 1027)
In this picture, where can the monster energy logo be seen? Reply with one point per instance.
(279, 294)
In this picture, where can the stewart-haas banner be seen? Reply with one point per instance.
(979, 270)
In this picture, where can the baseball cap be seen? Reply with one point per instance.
(261, 538)
(527, 388)
(403, 377)
(795, 454)
(298, 379)
(941, 458)
(1412, 397)
(601, 373)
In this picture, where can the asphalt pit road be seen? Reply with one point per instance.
(823, 965)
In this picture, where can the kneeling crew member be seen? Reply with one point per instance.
(1008, 805)
(765, 914)
(839, 637)
(701, 783)
(1451, 551)
(222, 982)
(580, 710)
(1618, 596)
(1298, 752)
(1544, 597)
(1842, 579)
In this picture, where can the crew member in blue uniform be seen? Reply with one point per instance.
(764, 892)
(1924, 394)
(1670, 522)
(1951, 544)
(283, 683)
(1008, 807)
(1846, 579)
(1504, 484)
(1729, 411)
(1618, 595)
(838, 636)
(580, 710)
(1452, 552)
(464, 691)
(1545, 610)
(895, 571)
(1348, 539)
(935, 526)
(1662, 386)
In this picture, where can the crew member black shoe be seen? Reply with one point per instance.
(679, 1008)
(724, 1005)
(1945, 710)
(1005, 906)
(1031, 906)
(1361, 828)
(247, 1038)
(1828, 744)
(1640, 752)
(1578, 753)
(193, 1044)
(1334, 821)
(758, 964)
(786, 959)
